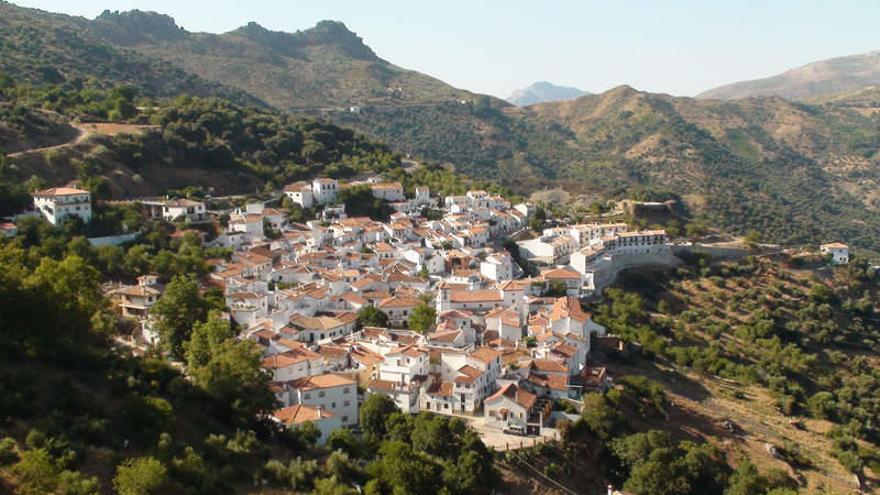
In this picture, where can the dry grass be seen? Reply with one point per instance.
(113, 129)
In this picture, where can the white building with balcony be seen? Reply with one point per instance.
(58, 203)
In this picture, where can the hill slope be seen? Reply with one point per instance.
(325, 66)
(798, 173)
(39, 47)
(543, 92)
(822, 78)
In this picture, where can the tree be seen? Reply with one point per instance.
(373, 414)
(344, 440)
(176, 311)
(140, 476)
(603, 417)
(234, 376)
(341, 467)
(206, 337)
(306, 433)
(538, 219)
(332, 486)
(423, 317)
(404, 470)
(557, 288)
(746, 480)
(371, 316)
(38, 473)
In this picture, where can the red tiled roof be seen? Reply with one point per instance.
(297, 414)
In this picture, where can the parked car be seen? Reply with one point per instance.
(514, 430)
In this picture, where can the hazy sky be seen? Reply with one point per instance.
(680, 47)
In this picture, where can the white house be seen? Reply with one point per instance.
(838, 251)
(399, 308)
(324, 190)
(294, 364)
(510, 405)
(334, 393)
(58, 203)
(300, 193)
(498, 267)
(388, 191)
(401, 365)
(136, 301)
(405, 396)
(296, 415)
(183, 209)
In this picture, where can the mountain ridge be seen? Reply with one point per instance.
(813, 80)
(543, 92)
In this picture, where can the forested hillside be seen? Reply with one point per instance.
(40, 47)
(757, 352)
(202, 142)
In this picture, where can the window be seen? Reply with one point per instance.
(345, 390)
(346, 403)
(332, 405)
(307, 396)
(321, 393)
(345, 419)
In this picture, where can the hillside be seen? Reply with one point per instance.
(39, 47)
(24, 128)
(201, 142)
(786, 358)
(814, 80)
(324, 66)
(543, 92)
(795, 172)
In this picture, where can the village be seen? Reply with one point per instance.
(465, 329)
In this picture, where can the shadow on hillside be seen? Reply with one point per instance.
(682, 419)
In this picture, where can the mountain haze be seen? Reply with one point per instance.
(814, 80)
(543, 92)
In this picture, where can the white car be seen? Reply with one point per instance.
(514, 430)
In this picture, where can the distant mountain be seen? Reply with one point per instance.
(815, 80)
(543, 92)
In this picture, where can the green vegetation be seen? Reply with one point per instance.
(423, 453)
(138, 425)
(370, 316)
(423, 317)
(810, 343)
(359, 202)
(43, 48)
(615, 433)
(232, 148)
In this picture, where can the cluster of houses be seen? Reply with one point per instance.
(500, 346)
(503, 346)
(597, 252)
